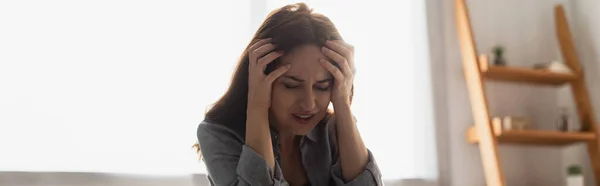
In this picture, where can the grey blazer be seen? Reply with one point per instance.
(230, 162)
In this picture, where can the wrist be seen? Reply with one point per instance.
(342, 106)
(257, 110)
(255, 104)
(343, 101)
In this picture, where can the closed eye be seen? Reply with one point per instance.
(323, 88)
(323, 85)
(290, 86)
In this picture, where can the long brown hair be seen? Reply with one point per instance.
(289, 27)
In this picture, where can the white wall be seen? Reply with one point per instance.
(435, 25)
(526, 29)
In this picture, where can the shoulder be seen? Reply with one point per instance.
(214, 133)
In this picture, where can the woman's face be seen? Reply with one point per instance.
(301, 96)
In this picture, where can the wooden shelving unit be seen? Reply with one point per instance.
(535, 137)
(523, 75)
(488, 137)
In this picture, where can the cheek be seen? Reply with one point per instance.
(281, 99)
(323, 99)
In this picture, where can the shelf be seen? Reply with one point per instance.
(523, 75)
(536, 137)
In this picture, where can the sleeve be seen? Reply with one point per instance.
(371, 176)
(230, 162)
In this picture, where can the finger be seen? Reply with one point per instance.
(351, 56)
(264, 61)
(260, 52)
(253, 56)
(339, 59)
(258, 44)
(349, 46)
(337, 74)
(339, 48)
(277, 73)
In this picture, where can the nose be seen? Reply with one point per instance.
(307, 102)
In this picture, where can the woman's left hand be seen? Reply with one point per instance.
(342, 54)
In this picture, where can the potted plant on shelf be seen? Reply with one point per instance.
(574, 176)
(499, 55)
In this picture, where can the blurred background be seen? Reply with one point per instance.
(111, 92)
(93, 92)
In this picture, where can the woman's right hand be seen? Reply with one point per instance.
(258, 136)
(259, 84)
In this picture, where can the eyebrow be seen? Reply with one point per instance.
(301, 80)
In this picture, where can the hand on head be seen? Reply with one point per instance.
(259, 84)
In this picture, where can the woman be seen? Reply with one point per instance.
(272, 126)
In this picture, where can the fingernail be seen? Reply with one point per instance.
(322, 60)
(288, 66)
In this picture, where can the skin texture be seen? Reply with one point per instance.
(304, 89)
(353, 152)
(303, 85)
(258, 135)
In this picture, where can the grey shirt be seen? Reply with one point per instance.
(230, 162)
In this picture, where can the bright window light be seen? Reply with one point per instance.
(120, 86)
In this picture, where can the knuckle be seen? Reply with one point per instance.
(348, 53)
(260, 61)
(252, 58)
(263, 62)
(255, 51)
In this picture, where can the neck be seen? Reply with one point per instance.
(287, 143)
(286, 138)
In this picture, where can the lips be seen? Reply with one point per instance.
(303, 118)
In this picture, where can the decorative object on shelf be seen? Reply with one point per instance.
(553, 66)
(574, 176)
(511, 123)
(565, 121)
(499, 56)
(585, 127)
(517, 123)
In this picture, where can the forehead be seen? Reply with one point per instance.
(305, 62)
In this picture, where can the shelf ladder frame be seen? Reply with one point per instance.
(475, 80)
